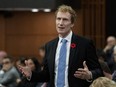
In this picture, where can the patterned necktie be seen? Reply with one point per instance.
(62, 64)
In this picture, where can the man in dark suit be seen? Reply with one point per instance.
(81, 66)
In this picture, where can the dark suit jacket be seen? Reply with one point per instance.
(83, 51)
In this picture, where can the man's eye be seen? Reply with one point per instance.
(58, 18)
(65, 19)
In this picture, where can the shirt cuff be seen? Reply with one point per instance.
(91, 78)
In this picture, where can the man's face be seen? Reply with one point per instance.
(41, 53)
(31, 64)
(6, 64)
(2, 55)
(63, 23)
(111, 41)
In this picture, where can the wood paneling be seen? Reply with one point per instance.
(27, 31)
(31, 23)
(93, 12)
(26, 45)
(2, 33)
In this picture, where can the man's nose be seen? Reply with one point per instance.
(61, 22)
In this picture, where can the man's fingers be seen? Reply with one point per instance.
(79, 75)
(84, 64)
(80, 72)
(81, 69)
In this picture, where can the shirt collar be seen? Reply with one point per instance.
(68, 37)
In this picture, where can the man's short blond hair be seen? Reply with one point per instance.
(66, 8)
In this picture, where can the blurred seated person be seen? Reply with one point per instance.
(35, 67)
(42, 51)
(20, 61)
(111, 42)
(101, 57)
(113, 76)
(114, 58)
(42, 54)
(103, 82)
(8, 79)
(2, 55)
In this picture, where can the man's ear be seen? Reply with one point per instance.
(72, 25)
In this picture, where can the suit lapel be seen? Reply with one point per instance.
(73, 49)
(53, 52)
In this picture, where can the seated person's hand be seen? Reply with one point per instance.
(25, 70)
(108, 75)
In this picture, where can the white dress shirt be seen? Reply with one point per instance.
(68, 38)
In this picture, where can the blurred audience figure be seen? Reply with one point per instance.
(35, 67)
(114, 58)
(101, 57)
(20, 61)
(103, 82)
(114, 76)
(42, 54)
(42, 51)
(2, 55)
(34, 64)
(111, 42)
(106, 70)
(10, 75)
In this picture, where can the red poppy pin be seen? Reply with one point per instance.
(73, 45)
